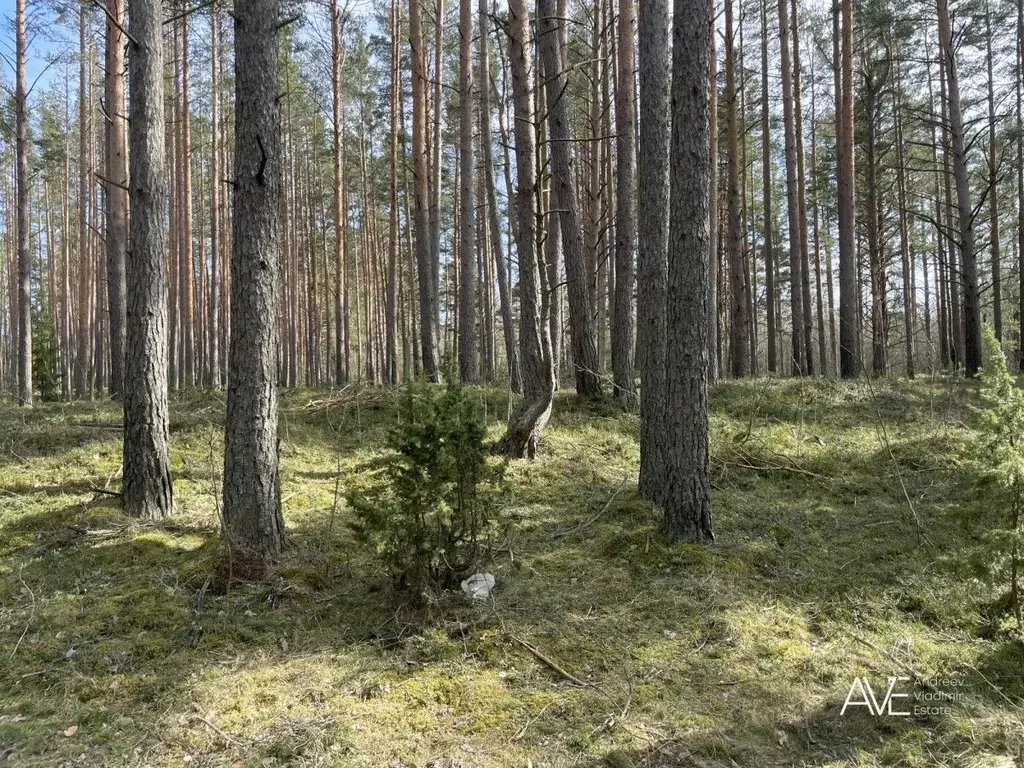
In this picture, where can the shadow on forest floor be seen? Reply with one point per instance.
(136, 644)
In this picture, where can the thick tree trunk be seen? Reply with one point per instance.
(624, 329)
(584, 346)
(146, 488)
(24, 264)
(252, 491)
(687, 494)
(653, 194)
(469, 351)
(522, 437)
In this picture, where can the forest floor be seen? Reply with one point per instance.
(845, 517)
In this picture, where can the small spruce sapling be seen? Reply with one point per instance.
(1001, 424)
(430, 509)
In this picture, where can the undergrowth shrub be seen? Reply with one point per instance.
(430, 508)
(1001, 468)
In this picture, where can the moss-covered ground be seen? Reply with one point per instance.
(844, 513)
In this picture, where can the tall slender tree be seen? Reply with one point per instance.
(653, 198)
(584, 345)
(849, 323)
(469, 352)
(116, 185)
(686, 497)
(624, 329)
(146, 489)
(252, 490)
(738, 294)
(522, 438)
(24, 262)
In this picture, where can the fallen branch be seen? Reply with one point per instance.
(919, 678)
(218, 731)
(587, 523)
(551, 664)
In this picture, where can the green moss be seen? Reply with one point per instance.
(742, 652)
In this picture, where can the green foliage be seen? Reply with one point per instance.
(44, 356)
(429, 512)
(1001, 463)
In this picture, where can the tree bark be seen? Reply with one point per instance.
(624, 330)
(766, 183)
(968, 257)
(739, 287)
(653, 197)
(469, 351)
(522, 438)
(252, 493)
(504, 289)
(421, 172)
(849, 324)
(796, 292)
(24, 263)
(687, 494)
(584, 357)
(146, 488)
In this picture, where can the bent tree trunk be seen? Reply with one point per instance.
(524, 429)
(581, 316)
(146, 487)
(252, 497)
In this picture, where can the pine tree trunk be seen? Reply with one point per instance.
(116, 186)
(766, 184)
(653, 198)
(738, 293)
(421, 172)
(469, 352)
(584, 357)
(522, 438)
(391, 310)
(24, 264)
(687, 494)
(504, 289)
(252, 492)
(714, 225)
(993, 186)
(849, 322)
(624, 330)
(146, 488)
(796, 293)
(216, 245)
(341, 372)
(968, 257)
